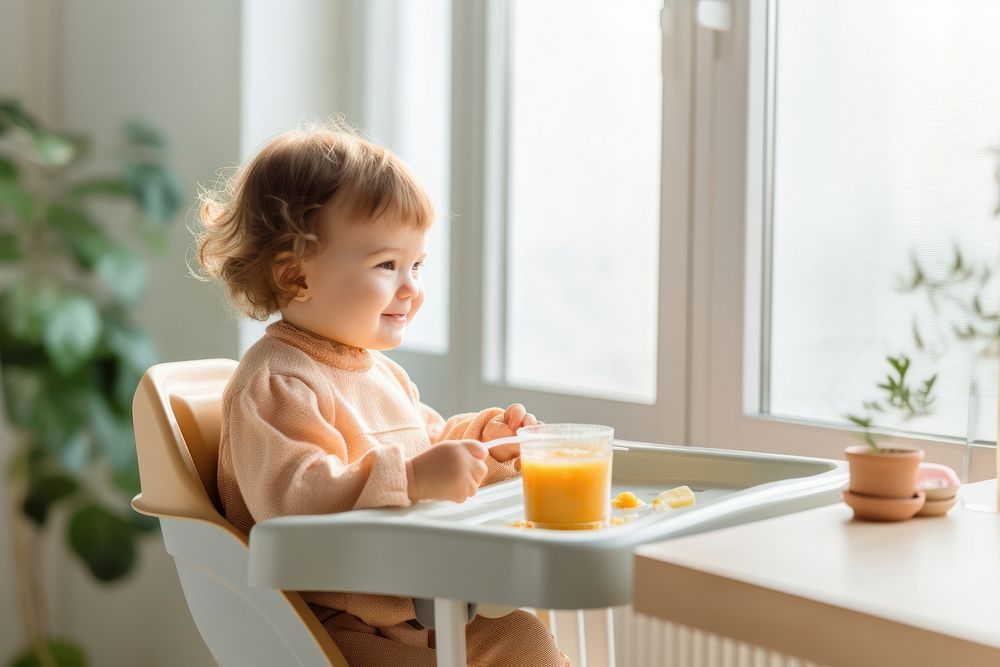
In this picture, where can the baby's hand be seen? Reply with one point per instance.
(506, 425)
(450, 470)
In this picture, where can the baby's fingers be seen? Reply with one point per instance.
(514, 415)
(529, 420)
(475, 448)
(506, 452)
(478, 471)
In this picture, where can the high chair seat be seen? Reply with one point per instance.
(177, 415)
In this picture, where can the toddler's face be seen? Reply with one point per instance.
(364, 287)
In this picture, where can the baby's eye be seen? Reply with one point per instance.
(388, 266)
(418, 266)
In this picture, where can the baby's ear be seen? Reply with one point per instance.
(288, 276)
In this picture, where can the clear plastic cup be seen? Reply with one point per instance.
(566, 473)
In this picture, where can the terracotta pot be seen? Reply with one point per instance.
(889, 473)
(871, 508)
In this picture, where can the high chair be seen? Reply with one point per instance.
(177, 416)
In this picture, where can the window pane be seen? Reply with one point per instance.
(584, 179)
(885, 117)
(408, 95)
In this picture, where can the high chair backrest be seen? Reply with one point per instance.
(177, 412)
(178, 418)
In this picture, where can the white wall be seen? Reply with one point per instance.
(86, 65)
(20, 22)
(175, 64)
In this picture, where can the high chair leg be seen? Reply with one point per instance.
(449, 628)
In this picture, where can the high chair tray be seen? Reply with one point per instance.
(470, 551)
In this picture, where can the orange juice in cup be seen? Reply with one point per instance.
(566, 473)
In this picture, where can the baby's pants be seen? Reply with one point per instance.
(516, 640)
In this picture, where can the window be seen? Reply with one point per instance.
(769, 163)
(582, 152)
(407, 107)
(883, 117)
(567, 304)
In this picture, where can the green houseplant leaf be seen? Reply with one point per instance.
(124, 273)
(133, 352)
(103, 540)
(26, 310)
(121, 270)
(8, 170)
(55, 150)
(22, 389)
(44, 492)
(48, 405)
(49, 149)
(155, 189)
(13, 116)
(72, 331)
(10, 247)
(64, 653)
(85, 239)
(108, 187)
(17, 200)
(113, 433)
(138, 133)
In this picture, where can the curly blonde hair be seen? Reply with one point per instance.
(265, 216)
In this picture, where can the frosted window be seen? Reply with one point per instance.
(408, 94)
(886, 113)
(584, 197)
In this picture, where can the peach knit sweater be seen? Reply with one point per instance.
(312, 426)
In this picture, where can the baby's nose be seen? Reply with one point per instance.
(408, 288)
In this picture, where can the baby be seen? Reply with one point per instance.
(330, 231)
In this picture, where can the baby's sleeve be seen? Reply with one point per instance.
(288, 458)
(433, 421)
(466, 426)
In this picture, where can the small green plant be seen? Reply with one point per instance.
(899, 396)
(962, 289)
(70, 357)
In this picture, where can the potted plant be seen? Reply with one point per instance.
(70, 357)
(888, 473)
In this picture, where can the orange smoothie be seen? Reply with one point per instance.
(567, 488)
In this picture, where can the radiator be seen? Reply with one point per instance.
(620, 637)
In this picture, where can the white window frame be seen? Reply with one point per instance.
(371, 98)
(479, 169)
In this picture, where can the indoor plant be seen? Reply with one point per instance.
(890, 472)
(70, 357)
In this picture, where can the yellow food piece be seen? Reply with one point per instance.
(618, 520)
(626, 499)
(521, 523)
(682, 496)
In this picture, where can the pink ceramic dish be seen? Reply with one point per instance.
(937, 507)
(873, 508)
(938, 481)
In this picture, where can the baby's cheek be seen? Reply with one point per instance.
(417, 302)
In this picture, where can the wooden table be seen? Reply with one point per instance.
(822, 586)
